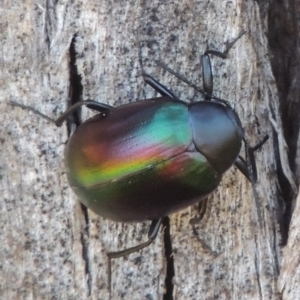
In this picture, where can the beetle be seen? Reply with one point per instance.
(145, 160)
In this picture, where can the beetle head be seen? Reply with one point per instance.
(218, 133)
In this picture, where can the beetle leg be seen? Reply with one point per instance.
(160, 88)
(207, 76)
(164, 91)
(58, 122)
(206, 71)
(229, 45)
(245, 166)
(205, 247)
(191, 84)
(152, 234)
(202, 210)
(202, 206)
(241, 164)
(206, 65)
(153, 231)
(249, 167)
(251, 158)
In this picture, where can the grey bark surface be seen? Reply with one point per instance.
(55, 52)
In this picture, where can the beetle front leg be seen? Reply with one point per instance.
(248, 167)
(229, 45)
(207, 76)
(160, 88)
(251, 158)
(101, 107)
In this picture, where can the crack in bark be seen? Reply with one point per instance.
(257, 261)
(75, 94)
(170, 260)
(282, 37)
(76, 88)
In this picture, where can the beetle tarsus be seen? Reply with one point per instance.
(202, 207)
(13, 103)
(229, 45)
(214, 254)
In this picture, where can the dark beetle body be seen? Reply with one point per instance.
(145, 160)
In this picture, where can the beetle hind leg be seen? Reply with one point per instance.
(152, 234)
(153, 231)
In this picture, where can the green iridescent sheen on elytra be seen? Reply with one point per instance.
(165, 134)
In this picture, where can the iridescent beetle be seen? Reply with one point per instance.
(148, 159)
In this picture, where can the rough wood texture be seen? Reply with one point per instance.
(53, 52)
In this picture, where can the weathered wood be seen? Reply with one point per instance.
(52, 248)
(289, 274)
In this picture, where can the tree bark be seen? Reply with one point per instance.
(54, 53)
